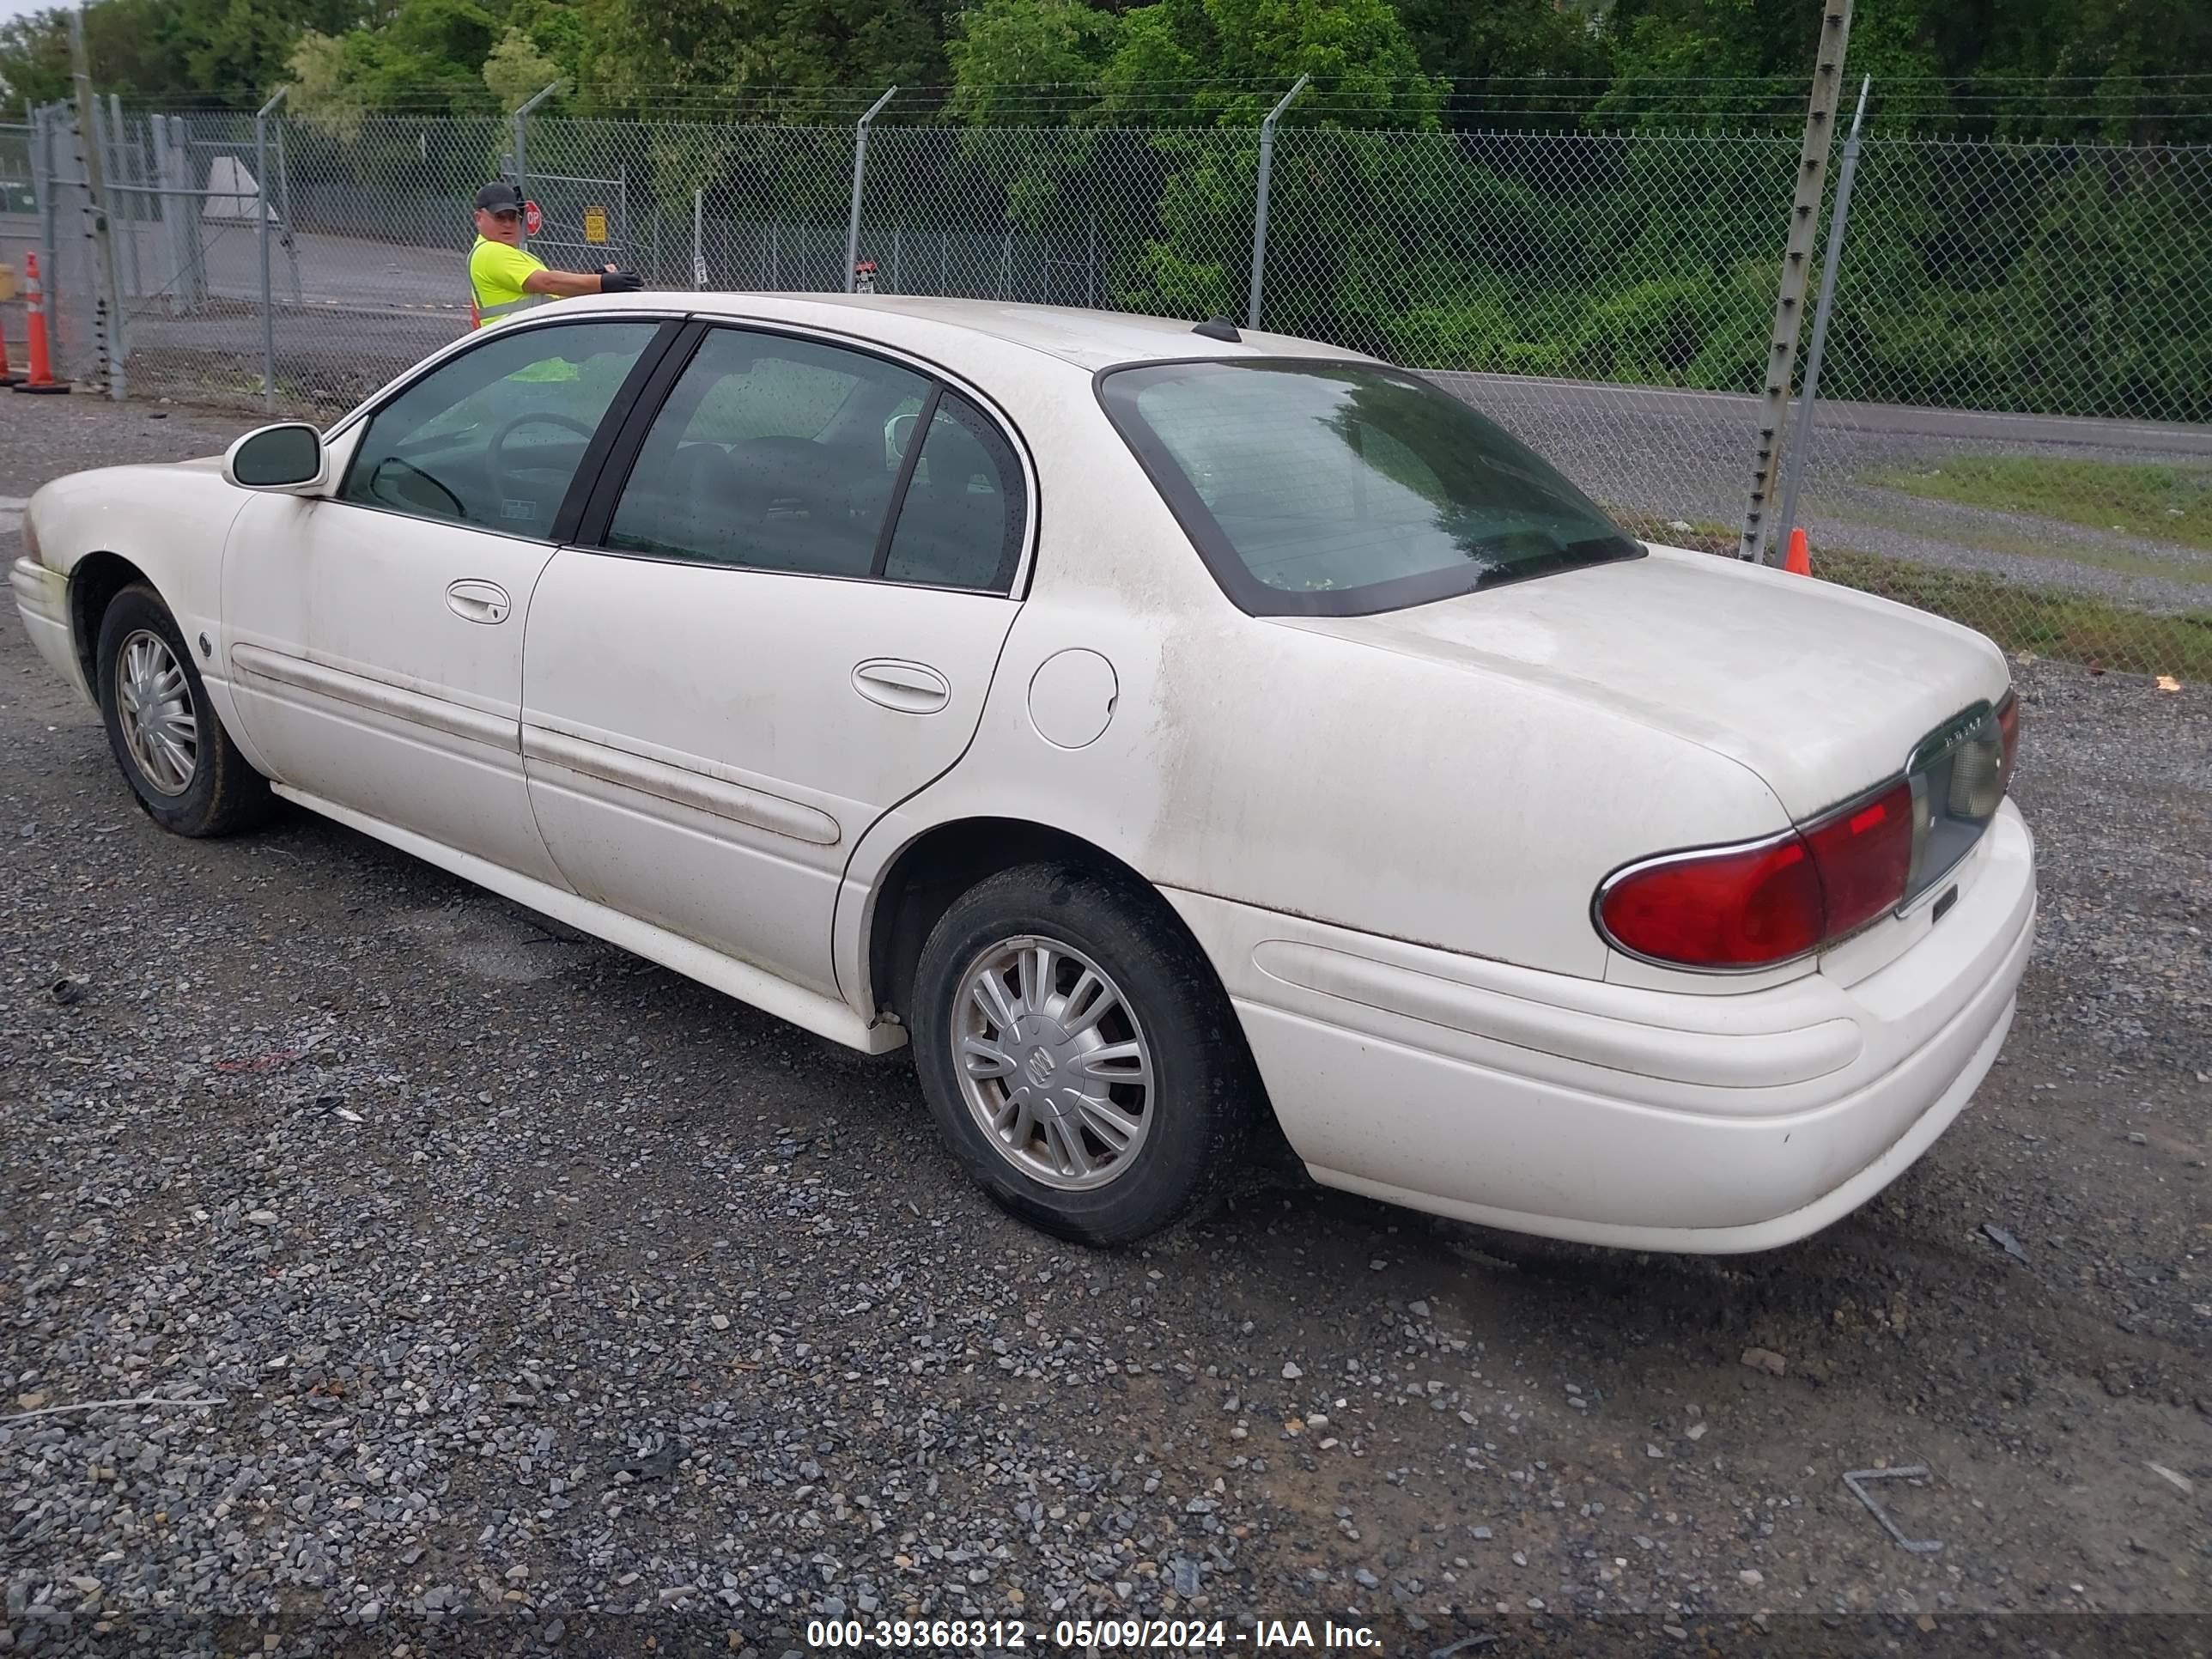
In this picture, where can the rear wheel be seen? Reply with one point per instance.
(1079, 1055)
(168, 740)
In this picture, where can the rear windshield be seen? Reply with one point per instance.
(1341, 489)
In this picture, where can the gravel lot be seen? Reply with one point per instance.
(551, 1302)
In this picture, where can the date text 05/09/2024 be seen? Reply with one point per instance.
(1086, 1635)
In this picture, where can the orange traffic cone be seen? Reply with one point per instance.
(1799, 561)
(42, 367)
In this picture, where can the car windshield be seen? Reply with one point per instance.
(1334, 489)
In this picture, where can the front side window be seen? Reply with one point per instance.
(493, 438)
(1329, 489)
(772, 453)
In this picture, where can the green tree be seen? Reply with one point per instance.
(431, 53)
(1003, 51)
(517, 70)
(1514, 61)
(1248, 52)
(791, 53)
(233, 50)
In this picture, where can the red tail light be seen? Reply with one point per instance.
(1864, 856)
(1757, 904)
(1752, 907)
(1732, 907)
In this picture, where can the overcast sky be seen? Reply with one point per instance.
(20, 8)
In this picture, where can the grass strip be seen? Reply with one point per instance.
(2170, 504)
(2041, 622)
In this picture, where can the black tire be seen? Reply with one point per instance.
(1205, 1094)
(224, 793)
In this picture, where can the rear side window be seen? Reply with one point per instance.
(770, 453)
(778, 453)
(1330, 488)
(960, 523)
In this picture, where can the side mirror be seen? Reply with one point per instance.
(287, 458)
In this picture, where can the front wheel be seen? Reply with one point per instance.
(1079, 1055)
(168, 740)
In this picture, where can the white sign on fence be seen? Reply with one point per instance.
(233, 193)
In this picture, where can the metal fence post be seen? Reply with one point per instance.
(285, 216)
(46, 167)
(1260, 199)
(1796, 253)
(859, 183)
(108, 307)
(123, 181)
(167, 277)
(1798, 450)
(190, 226)
(522, 162)
(261, 226)
(72, 295)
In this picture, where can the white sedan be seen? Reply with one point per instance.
(1159, 728)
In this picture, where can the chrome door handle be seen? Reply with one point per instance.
(911, 687)
(478, 601)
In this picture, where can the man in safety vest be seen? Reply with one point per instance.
(505, 279)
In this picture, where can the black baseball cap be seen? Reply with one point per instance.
(499, 197)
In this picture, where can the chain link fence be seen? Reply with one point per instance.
(2014, 424)
(2014, 419)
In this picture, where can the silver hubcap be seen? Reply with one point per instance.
(1053, 1063)
(153, 705)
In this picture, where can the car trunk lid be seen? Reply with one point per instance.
(1819, 690)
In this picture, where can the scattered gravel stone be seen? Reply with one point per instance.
(621, 1291)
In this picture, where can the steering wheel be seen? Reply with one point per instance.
(495, 461)
(450, 506)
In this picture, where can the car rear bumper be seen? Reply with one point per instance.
(42, 601)
(1615, 1114)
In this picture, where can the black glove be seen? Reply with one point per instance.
(620, 282)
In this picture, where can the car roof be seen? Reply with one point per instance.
(1090, 340)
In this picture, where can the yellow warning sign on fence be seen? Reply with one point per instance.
(595, 224)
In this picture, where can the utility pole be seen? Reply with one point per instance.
(1796, 268)
(1800, 448)
(108, 308)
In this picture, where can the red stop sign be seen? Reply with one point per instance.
(532, 218)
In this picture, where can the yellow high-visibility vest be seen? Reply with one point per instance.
(496, 273)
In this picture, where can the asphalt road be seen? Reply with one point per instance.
(550, 1303)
